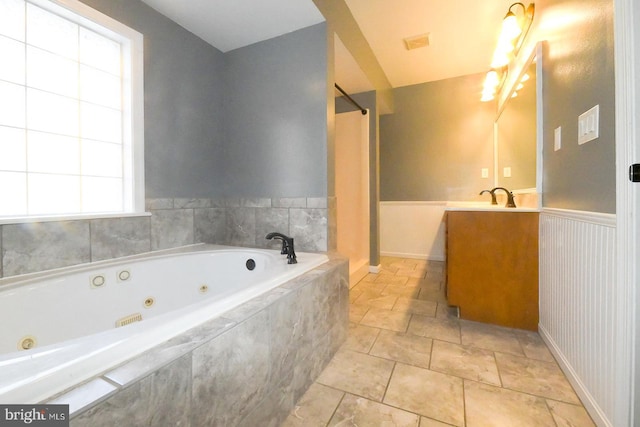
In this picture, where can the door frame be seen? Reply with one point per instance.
(627, 106)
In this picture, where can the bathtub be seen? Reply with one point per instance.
(63, 327)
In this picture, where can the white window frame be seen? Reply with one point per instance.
(133, 106)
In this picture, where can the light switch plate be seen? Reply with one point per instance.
(588, 125)
(507, 172)
(485, 172)
(557, 138)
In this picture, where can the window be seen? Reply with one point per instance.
(71, 99)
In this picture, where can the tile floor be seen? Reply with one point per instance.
(409, 361)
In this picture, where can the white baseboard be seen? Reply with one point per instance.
(375, 269)
(414, 256)
(581, 390)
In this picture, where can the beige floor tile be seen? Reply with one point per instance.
(409, 349)
(446, 312)
(567, 415)
(536, 377)
(392, 377)
(434, 285)
(432, 394)
(432, 295)
(416, 306)
(411, 272)
(402, 291)
(386, 272)
(360, 338)
(428, 422)
(386, 319)
(386, 268)
(434, 275)
(490, 337)
(487, 405)
(415, 263)
(392, 280)
(369, 278)
(357, 312)
(354, 294)
(373, 299)
(533, 346)
(372, 287)
(463, 361)
(357, 373)
(358, 411)
(435, 327)
(315, 408)
(400, 263)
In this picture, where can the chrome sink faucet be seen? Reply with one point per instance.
(287, 246)
(510, 202)
(493, 196)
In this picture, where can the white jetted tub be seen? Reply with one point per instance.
(65, 326)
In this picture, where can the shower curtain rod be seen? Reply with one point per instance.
(353, 101)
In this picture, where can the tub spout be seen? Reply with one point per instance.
(287, 246)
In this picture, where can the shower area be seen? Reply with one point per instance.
(352, 189)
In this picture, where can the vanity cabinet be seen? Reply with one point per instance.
(492, 266)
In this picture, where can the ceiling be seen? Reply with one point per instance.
(462, 33)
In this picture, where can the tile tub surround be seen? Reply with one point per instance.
(38, 246)
(248, 367)
(409, 361)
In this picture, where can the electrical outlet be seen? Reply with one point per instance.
(557, 138)
(485, 172)
(588, 125)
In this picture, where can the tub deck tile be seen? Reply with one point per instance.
(167, 352)
(256, 305)
(162, 398)
(231, 373)
(84, 395)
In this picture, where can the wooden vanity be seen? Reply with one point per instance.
(492, 266)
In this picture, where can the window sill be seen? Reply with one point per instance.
(24, 220)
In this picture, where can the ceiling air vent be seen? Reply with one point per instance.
(417, 42)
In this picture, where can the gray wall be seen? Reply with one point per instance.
(578, 72)
(434, 145)
(275, 117)
(251, 122)
(183, 81)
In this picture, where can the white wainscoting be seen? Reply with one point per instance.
(412, 230)
(578, 295)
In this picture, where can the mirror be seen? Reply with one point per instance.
(518, 142)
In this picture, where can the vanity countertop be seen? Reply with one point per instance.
(485, 206)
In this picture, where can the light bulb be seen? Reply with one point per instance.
(486, 97)
(510, 27)
(500, 59)
(491, 79)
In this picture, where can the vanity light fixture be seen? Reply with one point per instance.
(491, 83)
(514, 29)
